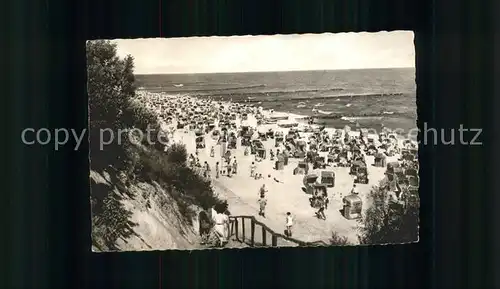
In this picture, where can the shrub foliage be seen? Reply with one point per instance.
(112, 108)
(386, 222)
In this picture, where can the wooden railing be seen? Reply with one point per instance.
(246, 229)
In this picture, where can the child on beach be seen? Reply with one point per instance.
(288, 224)
(262, 206)
(354, 190)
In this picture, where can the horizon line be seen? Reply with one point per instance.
(264, 71)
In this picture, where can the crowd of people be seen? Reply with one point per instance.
(235, 125)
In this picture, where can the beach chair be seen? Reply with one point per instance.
(308, 181)
(319, 162)
(261, 153)
(380, 160)
(328, 178)
(361, 176)
(200, 142)
(352, 206)
(301, 169)
(355, 166)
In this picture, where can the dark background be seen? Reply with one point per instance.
(47, 222)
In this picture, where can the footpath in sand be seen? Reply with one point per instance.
(242, 192)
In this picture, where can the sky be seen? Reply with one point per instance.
(270, 53)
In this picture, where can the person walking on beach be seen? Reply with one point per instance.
(253, 167)
(235, 166)
(217, 170)
(229, 167)
(207, 170)
(288, 224)
(321, 212)
(262, 206)
(263, 191)
(223, 166)
(212, 152)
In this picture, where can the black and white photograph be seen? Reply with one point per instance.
(253, 141)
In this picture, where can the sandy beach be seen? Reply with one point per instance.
(285, 190)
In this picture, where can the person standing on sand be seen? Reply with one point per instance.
(263, 191)
(235, 166)
(212, 152)
(321, 212)
(221, 223)
(229, 167)
(207, 169)
(326, 200)
(262, 206)
(288, 224)
(217, 170)
(253, 167)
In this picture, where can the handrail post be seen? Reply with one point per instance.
(252, 232)
(264, 236)
(243, 229)
(274, 240)
(236, 229)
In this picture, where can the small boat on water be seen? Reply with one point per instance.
(179, 85)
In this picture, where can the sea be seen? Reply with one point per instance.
(360, 98)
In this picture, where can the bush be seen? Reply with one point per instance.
(388, 224)
(109, 93)
(113, 222)
(111, 90)
(337, 240)
(110, 220)
(177, 154)
(110, 87)
(185, 184)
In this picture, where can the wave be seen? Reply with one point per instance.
(355, 117)
(325, 112)
(358, 118)
(218, 93)
(301, 98)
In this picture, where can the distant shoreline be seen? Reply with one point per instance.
(279, 71)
